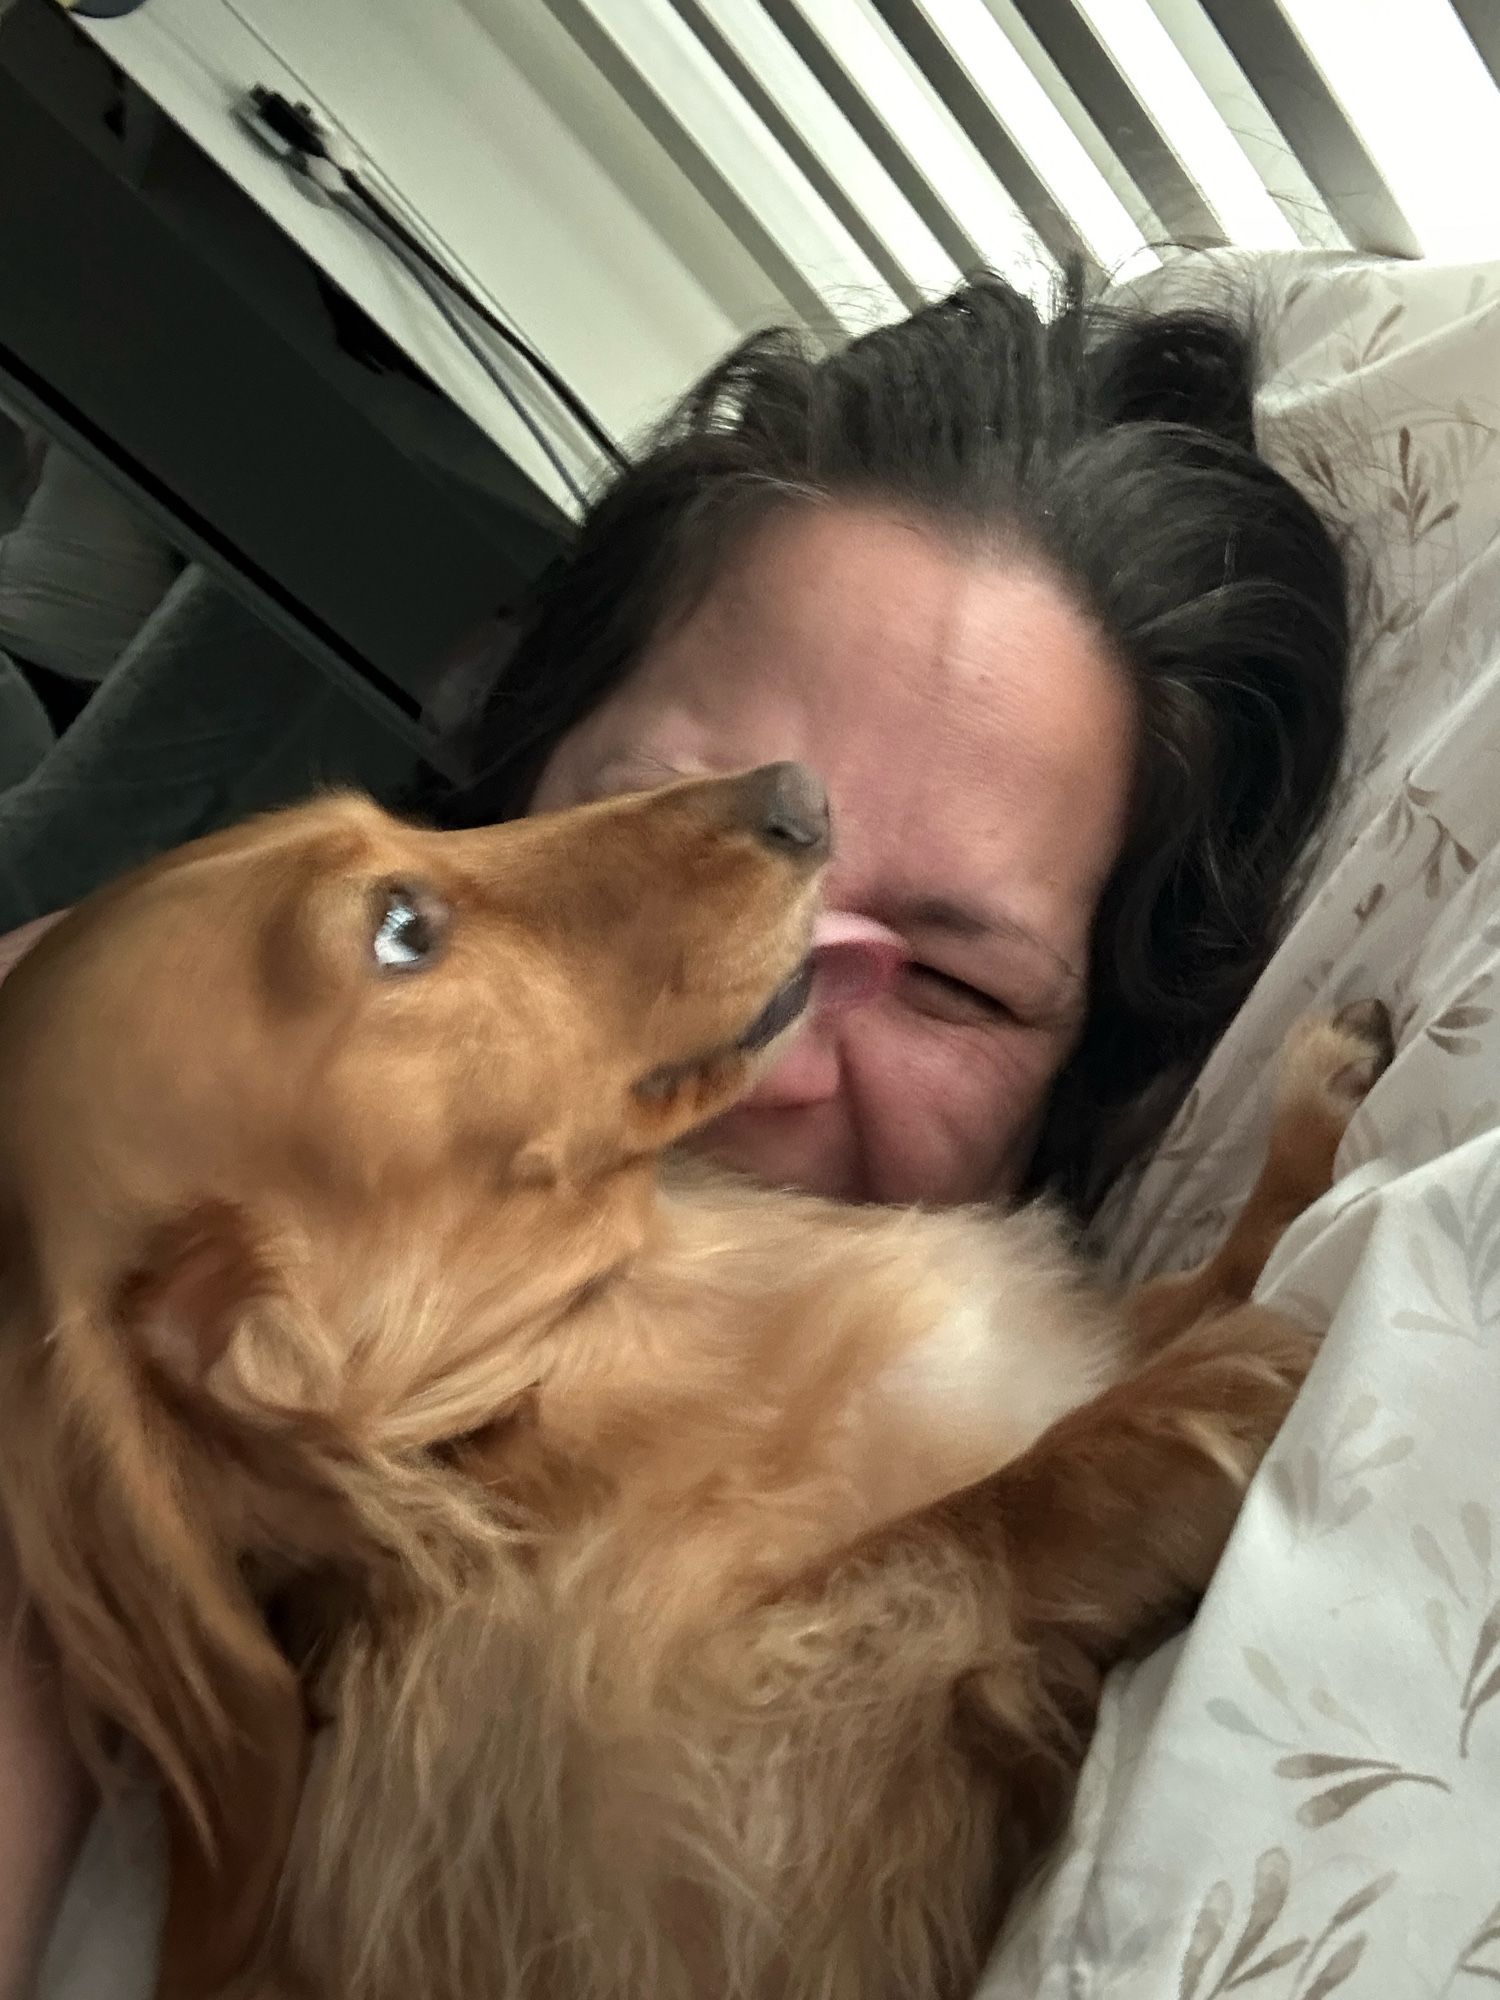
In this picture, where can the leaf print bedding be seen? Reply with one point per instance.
(1301, 1796)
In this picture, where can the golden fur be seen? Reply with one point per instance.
(530, 1568)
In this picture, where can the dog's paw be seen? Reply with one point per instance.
(1330, 1062)
(1285, 1351)
(1370, 1038)
(1240, 1375)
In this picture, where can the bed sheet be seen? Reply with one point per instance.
(1301, 1797)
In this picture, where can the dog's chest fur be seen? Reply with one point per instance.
(597, 1785)
(643, 1749)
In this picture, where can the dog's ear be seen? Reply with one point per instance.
(200, 1281)
(184, 1298)
(540, 1163)
(209, 1306)
(127, 1554)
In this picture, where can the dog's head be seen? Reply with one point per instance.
(310, 1136)
(300, 1042)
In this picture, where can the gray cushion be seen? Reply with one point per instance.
(26, 734)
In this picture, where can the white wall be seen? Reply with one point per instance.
(515, 154)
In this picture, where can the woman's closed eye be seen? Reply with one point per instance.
(947, 997)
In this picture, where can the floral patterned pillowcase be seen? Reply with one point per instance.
(1299, 1798)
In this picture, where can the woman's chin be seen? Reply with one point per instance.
(774, 1147)
(792, 1147)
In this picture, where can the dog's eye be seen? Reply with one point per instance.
(409, 930)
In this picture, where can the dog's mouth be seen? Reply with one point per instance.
(785, 1006)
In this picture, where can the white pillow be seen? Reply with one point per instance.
(1302, 1797)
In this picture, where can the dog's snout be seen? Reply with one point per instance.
(787, 806)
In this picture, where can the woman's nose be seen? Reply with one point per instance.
(854, 961)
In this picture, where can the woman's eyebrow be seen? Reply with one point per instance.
(971, 924)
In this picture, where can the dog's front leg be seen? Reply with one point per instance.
(1117, 1515)
(1099, 1539)
(1114, 1520)
(1327, 1065)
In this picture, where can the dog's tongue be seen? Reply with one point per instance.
(854, 958)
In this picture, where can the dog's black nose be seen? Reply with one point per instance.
(788, 807)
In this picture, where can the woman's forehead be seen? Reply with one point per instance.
(968, 719)
(880, 641)
(834, 594)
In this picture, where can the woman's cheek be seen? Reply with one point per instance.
(945, 1113)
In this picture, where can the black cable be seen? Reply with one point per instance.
(449, 310)
(295, 132)
(571, 401)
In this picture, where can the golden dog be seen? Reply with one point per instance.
(531, 1568)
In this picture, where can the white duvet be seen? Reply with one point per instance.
(1302, 1797)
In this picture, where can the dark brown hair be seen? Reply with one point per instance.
(1117, 447)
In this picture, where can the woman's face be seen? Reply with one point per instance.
(976, 738)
